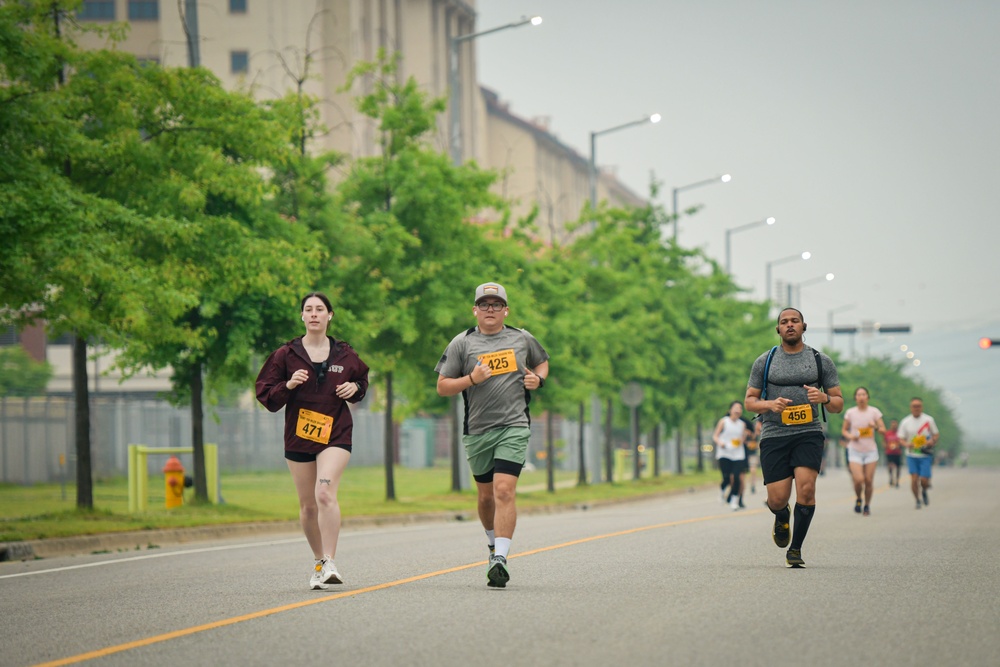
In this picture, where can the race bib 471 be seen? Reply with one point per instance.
(314, 426)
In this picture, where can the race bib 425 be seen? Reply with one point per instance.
(500, 362)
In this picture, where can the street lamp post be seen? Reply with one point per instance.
(455, 83)
(803, 255)
(733, 230)
(795, 290)
(829, 319)
(725, 178)
(653, 118)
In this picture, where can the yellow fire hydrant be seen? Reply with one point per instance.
(174, 473)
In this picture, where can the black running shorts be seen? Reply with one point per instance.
(307, 457)
(779, 457)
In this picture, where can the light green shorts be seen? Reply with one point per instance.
(509, 444)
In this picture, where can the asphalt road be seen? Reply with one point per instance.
(681, 580)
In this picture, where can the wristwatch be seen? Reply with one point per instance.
(541, 382)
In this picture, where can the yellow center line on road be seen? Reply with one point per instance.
(185, 632)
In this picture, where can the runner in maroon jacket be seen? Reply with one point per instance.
(314, 377)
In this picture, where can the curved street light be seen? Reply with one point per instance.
(795, 289)
(802, 255)
(750, 225)
(652, 118)
(724, 178)
(454, 81)
(829, 320)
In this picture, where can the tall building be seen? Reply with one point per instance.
(273, 47)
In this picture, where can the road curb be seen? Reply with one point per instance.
(140, 540)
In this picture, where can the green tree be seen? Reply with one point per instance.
(891, 390)
(69, 261)
(413, 258)
(172, 144)
(20, 374)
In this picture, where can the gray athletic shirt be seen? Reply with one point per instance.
(499, 401)
(785, 378)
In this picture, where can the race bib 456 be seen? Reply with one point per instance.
(797, 414)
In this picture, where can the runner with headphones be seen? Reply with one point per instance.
(800, 380)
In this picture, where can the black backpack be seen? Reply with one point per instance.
(819, 379)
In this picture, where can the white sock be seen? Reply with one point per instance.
(503, 546)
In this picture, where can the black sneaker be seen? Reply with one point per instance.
(926, 501)
(857, 505)
(498, 576)
(780, 532)
(918, 504)
(867, 511)
(793, 558)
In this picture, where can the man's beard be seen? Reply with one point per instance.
(794, 341)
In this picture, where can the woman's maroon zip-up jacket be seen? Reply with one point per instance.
(343, 365)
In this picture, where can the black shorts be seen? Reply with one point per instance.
(502, 466)
(729, 467)
(894, 458)
(308, 457)
(779, 457)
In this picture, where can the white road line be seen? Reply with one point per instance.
(241, 545)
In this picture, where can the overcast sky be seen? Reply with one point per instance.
(870, 129)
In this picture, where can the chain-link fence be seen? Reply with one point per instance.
(37, 437)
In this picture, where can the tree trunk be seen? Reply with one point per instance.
(390, 485)
(198, 435)
(609, 464)
(655, 446)
(581, 479)
(637, 455)
(456, 446)
(679, 467)
(550, 454)
(701, 457)
(81, 395)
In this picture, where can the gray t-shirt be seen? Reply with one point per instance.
(785, 378)
(501, 401)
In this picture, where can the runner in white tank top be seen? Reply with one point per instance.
(729, 435)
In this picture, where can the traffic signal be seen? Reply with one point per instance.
(894, 328)
(987, 343)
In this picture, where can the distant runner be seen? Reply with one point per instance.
(893, 453)
(860, 425)
(729, 436)
(918, 432)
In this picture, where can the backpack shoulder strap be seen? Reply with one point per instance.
(767, 369)
(819, 380)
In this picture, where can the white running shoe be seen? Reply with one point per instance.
(734, 503)
(316, 580)
(329, 573)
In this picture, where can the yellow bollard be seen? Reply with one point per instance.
(174, 473)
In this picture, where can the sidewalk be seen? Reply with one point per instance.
(152, 539)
